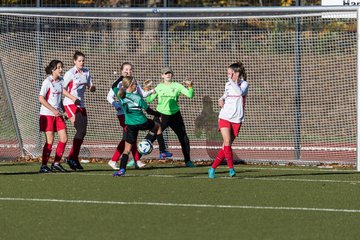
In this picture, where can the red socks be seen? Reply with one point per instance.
(135, 152)
(218, 159)
(119, 150)
(46, 153)
(225, 152)
(59, 151)
(229, 156)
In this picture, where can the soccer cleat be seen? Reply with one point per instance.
(139, 164)
(78, 165)
(211, 173)
(119, 173)
(114, 165)
(232, 172)
(72, 163)
(165, 154)
(189, 164)
(57, 167)
(131, 163)
(44, 169)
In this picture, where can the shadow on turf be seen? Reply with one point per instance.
(68, 171)
(82, 171)
(12, 164)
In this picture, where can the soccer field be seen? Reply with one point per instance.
(173, 202)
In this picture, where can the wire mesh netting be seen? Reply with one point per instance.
(9, 143)
(302, 96)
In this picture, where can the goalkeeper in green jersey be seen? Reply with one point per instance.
(167, 93)
(135, 120)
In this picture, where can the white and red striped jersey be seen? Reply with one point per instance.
(52, 91)
(234, 97)
(75, 83)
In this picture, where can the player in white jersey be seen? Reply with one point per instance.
(231, 115)
(127, 71)
(51, 119)
(76, 81)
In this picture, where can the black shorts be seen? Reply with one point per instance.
(132, 131)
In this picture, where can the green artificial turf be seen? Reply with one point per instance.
(174, 202)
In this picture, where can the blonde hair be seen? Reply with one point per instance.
(126, 83)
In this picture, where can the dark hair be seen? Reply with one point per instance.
(78, 54)
(239, 67)
(126, 82)
(125, 63)
(52, 66)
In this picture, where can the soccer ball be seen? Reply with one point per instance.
(145, 147)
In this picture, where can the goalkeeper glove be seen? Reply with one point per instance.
(188, 82)
(147, 84)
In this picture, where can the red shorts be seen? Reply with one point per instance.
(235, 127)
(51, 123)
(72, 109)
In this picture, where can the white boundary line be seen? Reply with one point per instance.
(182, 205)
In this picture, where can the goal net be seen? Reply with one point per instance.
(301, 67)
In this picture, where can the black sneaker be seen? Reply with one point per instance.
(78, 165)
(72, 163)
(44, 169)
(57, 167)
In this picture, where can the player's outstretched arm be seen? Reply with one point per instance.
(189, 91)
(146, 91)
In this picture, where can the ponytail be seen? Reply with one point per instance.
(126, 83)
(121, 93)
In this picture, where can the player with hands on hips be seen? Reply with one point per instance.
(231, 115)
(51, 119)
(76, 81)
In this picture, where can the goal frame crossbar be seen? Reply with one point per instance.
(160, 10)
